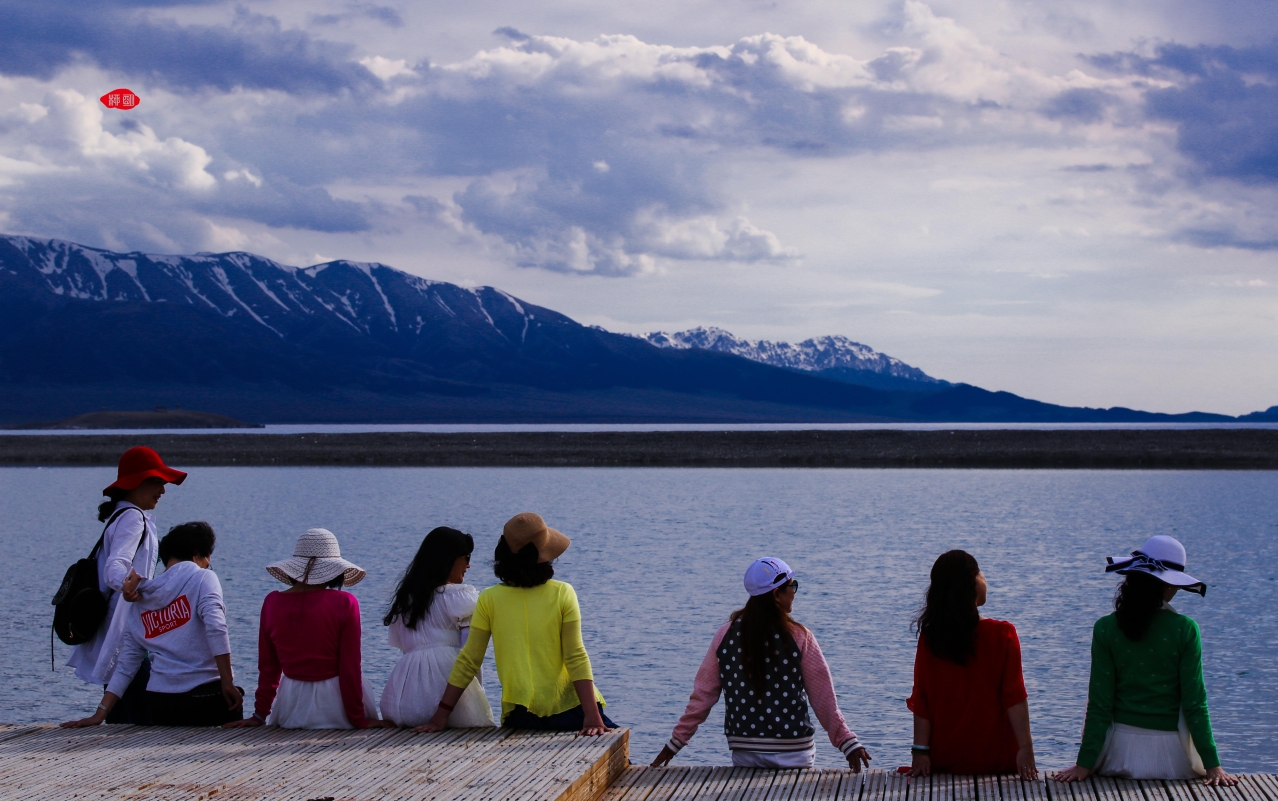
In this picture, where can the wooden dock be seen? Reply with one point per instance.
(747, 784)
(42, 763)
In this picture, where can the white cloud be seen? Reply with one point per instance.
(386, 68)
(76, 120)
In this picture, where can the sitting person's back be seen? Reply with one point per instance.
(967, 703)
(429, 620)
(308, 647)
(527, 624)
(971, 711)
(1147, 674)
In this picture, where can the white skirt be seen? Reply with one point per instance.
(417, 683)
(315, 705)
(1131, 752)
(773, 759)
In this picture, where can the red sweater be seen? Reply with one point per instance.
(967, 705)
(310, 636)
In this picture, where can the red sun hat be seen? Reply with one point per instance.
(139, 464)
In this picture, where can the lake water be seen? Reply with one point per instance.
(657, 557)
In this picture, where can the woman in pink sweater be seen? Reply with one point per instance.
(770, 667)
(308, 644)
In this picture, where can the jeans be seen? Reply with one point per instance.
(131, 708)
(570, 720)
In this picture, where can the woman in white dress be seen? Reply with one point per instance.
(428, 620)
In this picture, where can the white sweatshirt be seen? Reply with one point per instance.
(94, 660)
(181, 620)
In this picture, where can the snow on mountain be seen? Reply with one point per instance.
(371, 299)
(836, 356)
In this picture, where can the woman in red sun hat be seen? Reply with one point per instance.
(129, 544)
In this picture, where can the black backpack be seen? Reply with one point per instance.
(79, 607)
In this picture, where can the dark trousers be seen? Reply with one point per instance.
(571, 720)
(131, 708)
(202, 706)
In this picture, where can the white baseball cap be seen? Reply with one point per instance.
(1162, 557)
(765, 575)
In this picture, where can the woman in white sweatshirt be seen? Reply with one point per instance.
(128, 545)
(181, 620)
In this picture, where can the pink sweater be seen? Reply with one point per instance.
(310, 636)
(816, 681)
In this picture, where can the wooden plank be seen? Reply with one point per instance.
(851, 785)
(897, 788)
(783, 785)
(706, 789)
(806, 785)
(941, 788)
(830, 782)
(872, 785)
(987, 788)
(592, 784)
(1260, 787)
(742, 781)
(689, 785)
(963, 788)
(1130, 790)
(1220, 793)
(1180, 789)
(1041, 789)
(316, 765)
(420, 763)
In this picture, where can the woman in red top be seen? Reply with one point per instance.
(971, 713)
(308, 654)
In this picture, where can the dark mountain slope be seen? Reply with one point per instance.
(82, 329)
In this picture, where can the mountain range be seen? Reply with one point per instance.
(835, 357)
(83, 329)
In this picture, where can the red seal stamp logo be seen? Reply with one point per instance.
(120, 98)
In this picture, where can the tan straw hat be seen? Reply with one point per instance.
(316, 559)
(527, 527)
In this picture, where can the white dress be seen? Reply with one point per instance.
(1135, 753)
(315, 704)
(417, 683)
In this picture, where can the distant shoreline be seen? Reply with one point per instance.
(1220, 449)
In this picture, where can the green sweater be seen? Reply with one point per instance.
(1147, 684)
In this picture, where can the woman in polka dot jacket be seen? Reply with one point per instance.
(768, 667)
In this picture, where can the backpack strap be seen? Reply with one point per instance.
(115, 516)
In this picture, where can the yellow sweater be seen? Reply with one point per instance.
(536, 634)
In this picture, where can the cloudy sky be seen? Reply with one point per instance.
(1071, 201)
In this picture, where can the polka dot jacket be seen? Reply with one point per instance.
(776, 718)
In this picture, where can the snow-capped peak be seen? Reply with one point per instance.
(814, 355)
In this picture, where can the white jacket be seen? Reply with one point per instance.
(94, 660)
(181, 620)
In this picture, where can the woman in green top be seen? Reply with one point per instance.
(535, 625)
(1147, 704)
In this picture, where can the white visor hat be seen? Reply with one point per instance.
(1162, 557)
(765, 575)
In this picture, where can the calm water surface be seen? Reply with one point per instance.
(657, 558)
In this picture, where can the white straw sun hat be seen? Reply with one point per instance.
(316, 559)
(1162, 557)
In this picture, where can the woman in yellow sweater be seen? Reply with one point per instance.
(535, 625)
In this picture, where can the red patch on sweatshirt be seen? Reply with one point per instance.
(174, 616)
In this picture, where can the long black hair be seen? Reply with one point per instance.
(948, 620)
(520, 569)
(427, 572)
(114, 496)
(765, 630)
(1138, 599)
